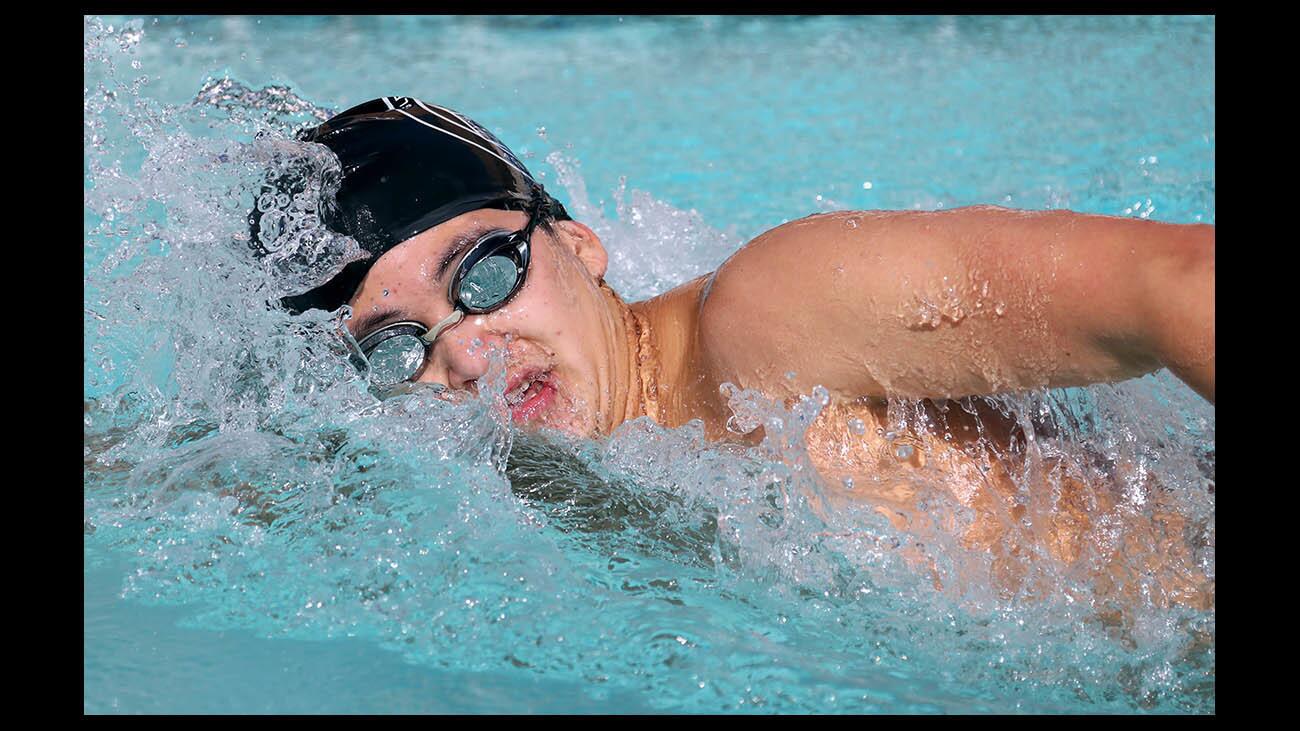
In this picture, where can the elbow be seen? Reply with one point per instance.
(1180, 306)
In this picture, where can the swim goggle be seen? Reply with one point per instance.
(488, 276)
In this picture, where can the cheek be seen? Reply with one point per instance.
(567, 281)
(553, 299)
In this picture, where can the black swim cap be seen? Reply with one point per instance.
(408, 166)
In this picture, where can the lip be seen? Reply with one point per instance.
(523, 376)
(529, 409)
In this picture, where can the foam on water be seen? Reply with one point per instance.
(239, 463)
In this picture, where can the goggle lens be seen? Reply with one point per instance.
(396, 359)
(489, 282)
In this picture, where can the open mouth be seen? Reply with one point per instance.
(530, 395)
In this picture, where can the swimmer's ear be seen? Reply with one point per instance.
(585, 244)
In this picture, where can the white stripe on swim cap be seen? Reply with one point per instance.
(388, 103)
(459, 120)
(476, 130)
(472, 142)
(473, 128)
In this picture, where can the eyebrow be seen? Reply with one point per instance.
(459, 245)
(370, 322)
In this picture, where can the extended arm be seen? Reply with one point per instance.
(970, 301)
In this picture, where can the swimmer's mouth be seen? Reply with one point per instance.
(529, 393)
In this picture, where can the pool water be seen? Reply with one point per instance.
(262, 535)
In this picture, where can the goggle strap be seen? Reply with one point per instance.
(535, 210)
(355, 354)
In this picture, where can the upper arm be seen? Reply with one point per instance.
(970, 301)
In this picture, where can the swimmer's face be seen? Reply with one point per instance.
(556, 332)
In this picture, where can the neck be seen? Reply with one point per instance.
(636, 379)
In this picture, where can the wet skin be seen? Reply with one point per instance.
(921, 305)
(560, 327)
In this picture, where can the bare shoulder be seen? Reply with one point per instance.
(869, 303)
(775, 307)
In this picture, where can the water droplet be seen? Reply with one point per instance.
(848, 483)
(857, 427)
(789, 375)
(1000, 309)
(903, 451)
(385, 293)
(866, 185)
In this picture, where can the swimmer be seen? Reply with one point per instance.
(466, 251)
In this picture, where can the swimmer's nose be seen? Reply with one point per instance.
(460, 355)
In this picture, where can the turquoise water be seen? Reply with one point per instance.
(261, 535)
